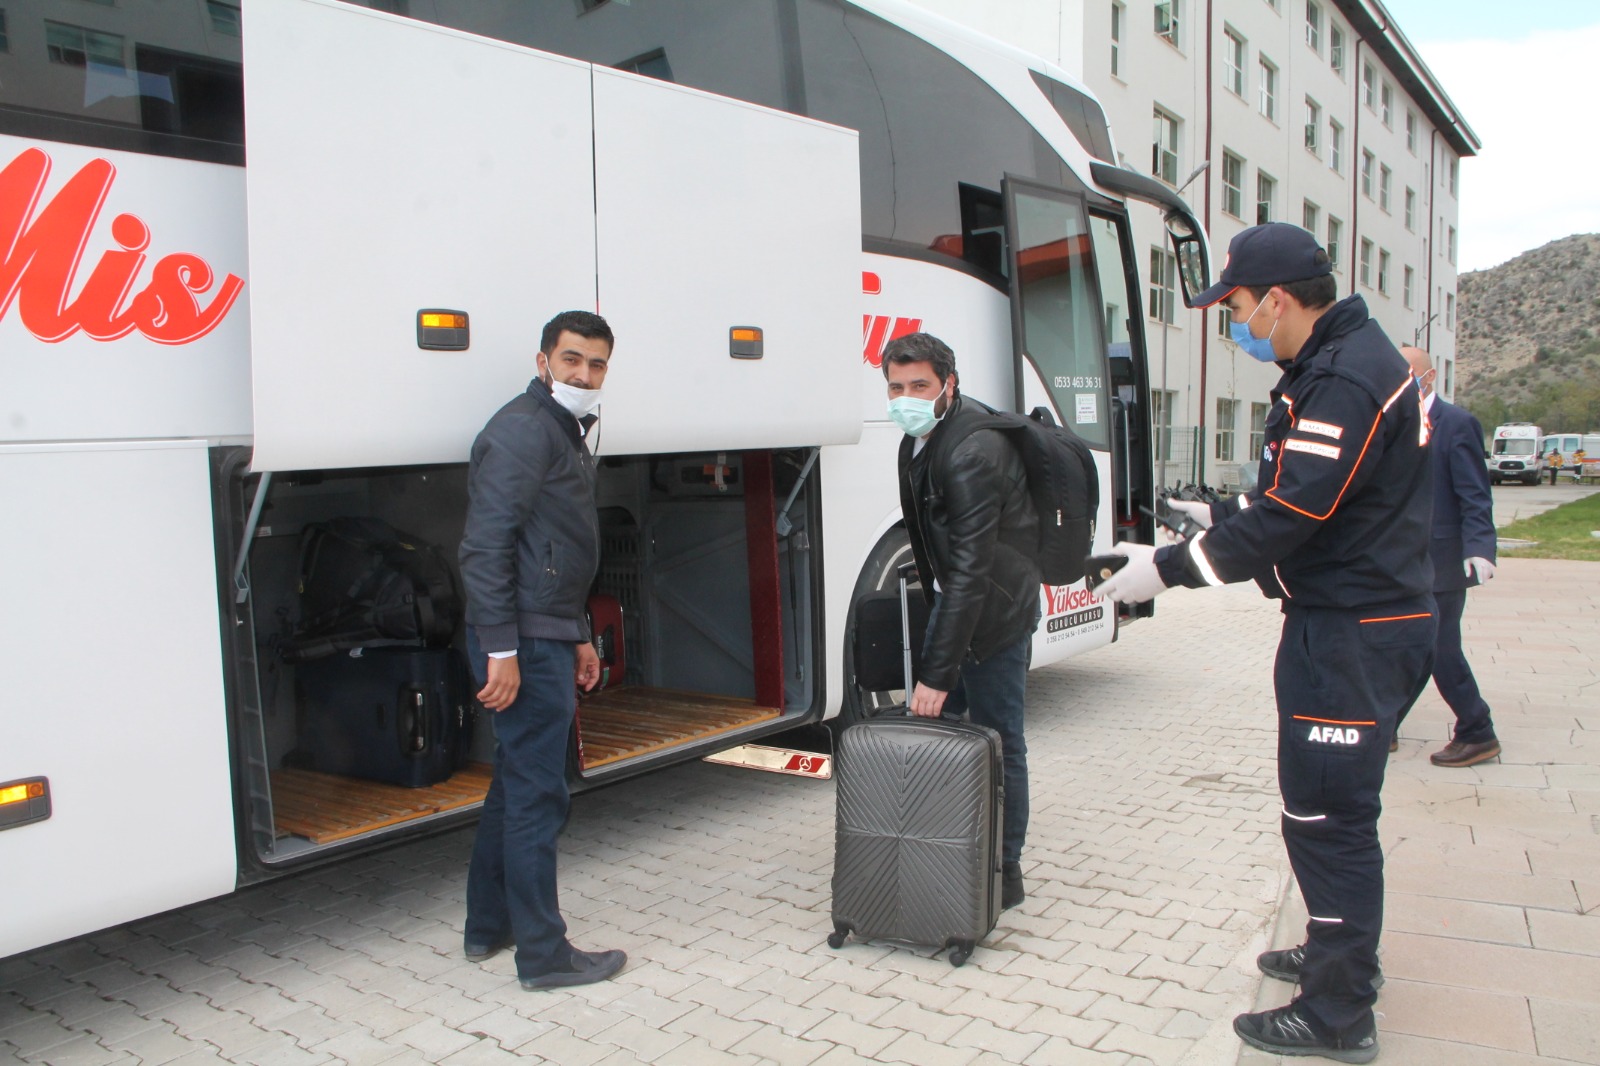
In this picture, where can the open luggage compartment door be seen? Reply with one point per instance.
(397, 166)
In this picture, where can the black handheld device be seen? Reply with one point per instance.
(1099, 568)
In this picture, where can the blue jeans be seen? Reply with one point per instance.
(511, 882)
(991, 694)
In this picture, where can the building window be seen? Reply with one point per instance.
(1450, 245)
(74, 46)
(1224, 322)
(1313, 127)
(1386, 106)
(1366, 262)
(1314, 26)
(1164, 148)
(1117, 11)
(1383, 271)
(1266, 197)
(1411, 209)
(1335, 147)
(1168, 16)
(1385, 183)
(1450, 311)
(1369, 84)
(1258, 431)
(1455, 176)
(1233, 62)
(1269, 89)
(1232, 185)
(1310, 217)
(1410, 286)
(1411, 131)
(224, 17)
(1336, 49)
(1335, 235)
(1227, 412)
(1367, 160)
(1163, 285)
(1162, 402)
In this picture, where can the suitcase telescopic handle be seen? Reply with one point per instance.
(906, 571)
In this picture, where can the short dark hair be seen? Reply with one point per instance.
(585, 324)
(1313, 293)
(921, 348)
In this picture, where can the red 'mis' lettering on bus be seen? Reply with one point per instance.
(42, 253)
(878, 330)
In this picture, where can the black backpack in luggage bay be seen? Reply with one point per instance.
(364, 583)
(1062, 481)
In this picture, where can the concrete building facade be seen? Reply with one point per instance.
(1315, 112)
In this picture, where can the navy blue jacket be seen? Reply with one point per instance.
(1463, 509)
(1340, 514)
(532, 540)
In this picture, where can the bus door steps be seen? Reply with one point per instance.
(325, 808)
(626, 722)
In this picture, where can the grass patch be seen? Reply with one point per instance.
(1562, 533)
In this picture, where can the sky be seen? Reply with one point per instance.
(1526, 86)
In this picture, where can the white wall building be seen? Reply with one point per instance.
(1317, 112)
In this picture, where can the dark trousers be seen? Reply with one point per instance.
(1341, 679)
(511, 882)
(1453, 675)
(991, 694)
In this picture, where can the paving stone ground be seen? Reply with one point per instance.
(1155, 874)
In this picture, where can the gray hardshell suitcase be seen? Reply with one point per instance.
(917, 837)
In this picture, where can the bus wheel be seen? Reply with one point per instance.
(879, 575)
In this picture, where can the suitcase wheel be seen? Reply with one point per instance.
(836, 938)
(962, 952)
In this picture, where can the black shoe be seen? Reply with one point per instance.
(1457, 753)
(584, 968)
(1286, 1031)
(1011, 890)
(1285, 965)
(478, 952)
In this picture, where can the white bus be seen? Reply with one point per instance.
(199, 359)
(1514, 453)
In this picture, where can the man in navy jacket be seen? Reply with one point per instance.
(1463, 550)
(1336, 529)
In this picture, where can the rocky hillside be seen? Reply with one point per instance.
(1514, 317)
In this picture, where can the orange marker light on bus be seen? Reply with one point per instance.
(13, 794)
(745, 342)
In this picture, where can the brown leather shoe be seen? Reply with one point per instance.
(1456, 753)
(1394, 745)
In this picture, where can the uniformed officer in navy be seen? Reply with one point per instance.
(1337, 529)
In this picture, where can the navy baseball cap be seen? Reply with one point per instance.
(1274, 253)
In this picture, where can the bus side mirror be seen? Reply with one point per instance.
(1194, 263)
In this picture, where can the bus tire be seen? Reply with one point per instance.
(878, 575)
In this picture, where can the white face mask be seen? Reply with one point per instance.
(580, 402)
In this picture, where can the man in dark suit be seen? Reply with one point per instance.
(1463, 549)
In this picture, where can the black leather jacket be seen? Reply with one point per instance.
(974, 529)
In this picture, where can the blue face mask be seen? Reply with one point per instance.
(914, 417)
(1259, 348)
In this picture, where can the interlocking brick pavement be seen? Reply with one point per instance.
(1154, 869)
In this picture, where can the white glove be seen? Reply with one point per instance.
(1479, 567)
(1200, 512)
(1139, 580)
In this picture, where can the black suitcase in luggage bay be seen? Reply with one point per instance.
(400, 715)
(917, 833)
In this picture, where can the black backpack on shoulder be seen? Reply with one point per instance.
(1062, 480)
(365, 583)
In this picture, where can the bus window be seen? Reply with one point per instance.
(140, 76)
(1058, 306)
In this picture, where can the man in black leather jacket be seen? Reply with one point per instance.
(974, 533)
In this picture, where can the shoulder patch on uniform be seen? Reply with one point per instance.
(1327, 451)
(1321, 429)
